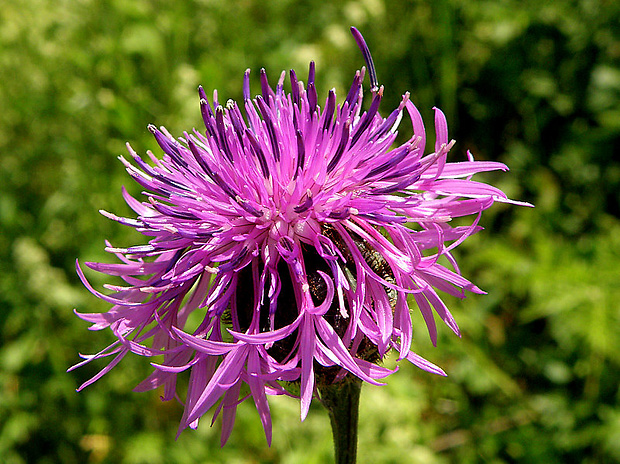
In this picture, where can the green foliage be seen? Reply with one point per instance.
(534, 378)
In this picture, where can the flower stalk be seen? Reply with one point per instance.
(341, 400)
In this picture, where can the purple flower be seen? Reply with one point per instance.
(284, 246)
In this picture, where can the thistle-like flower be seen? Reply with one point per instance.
(285, 245)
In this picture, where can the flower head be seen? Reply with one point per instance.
(284, 246)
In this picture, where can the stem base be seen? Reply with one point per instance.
(342, 403)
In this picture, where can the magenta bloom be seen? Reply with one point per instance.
(283, 246)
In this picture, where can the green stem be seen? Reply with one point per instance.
(342, 403)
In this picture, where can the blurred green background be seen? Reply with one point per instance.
(535, 377)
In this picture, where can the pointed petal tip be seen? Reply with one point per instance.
(355, 31)
(305, 409)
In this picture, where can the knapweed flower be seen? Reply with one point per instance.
(284, 246)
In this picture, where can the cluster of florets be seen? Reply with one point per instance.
(285, 245)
